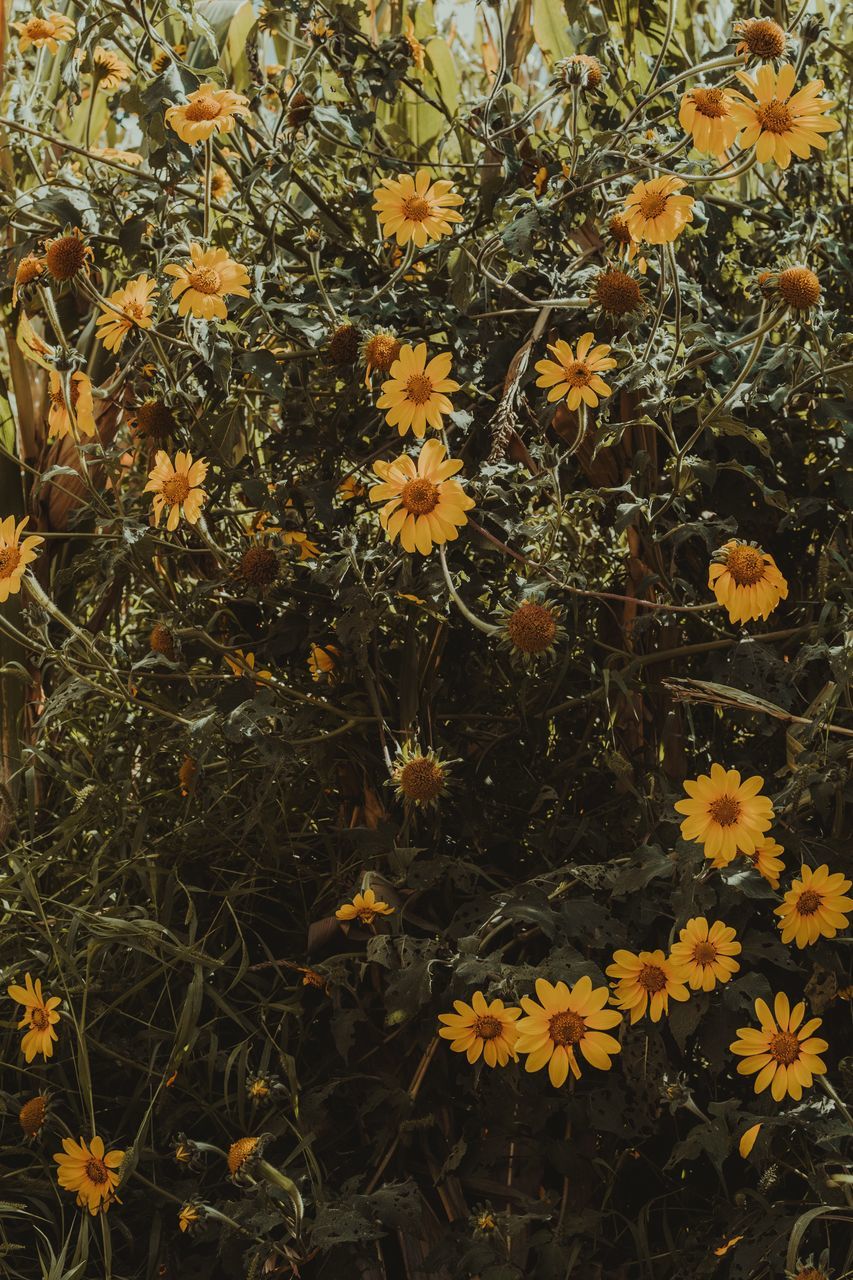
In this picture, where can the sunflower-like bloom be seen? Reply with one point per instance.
(128, 307)
(33, 1114)
(207, 110)
(379, 351)
(419, 777)
(40, 1017)
(28, 269)
(15, 555)
(566, 1019)
(648, 980)
(656, 211)
(760, 38)
(415, 394)
(483, 1028)
(205, 281)
(82, 406)
(413, 208)
(67, 254)
(90, 1170)
(364, 908)
(45, 33)
(109, 69)
(780, 123)
(705, 953)
(746, 581)
(575, 379)
(765, 858)
(782, 1053)
(815, 906)
(177, 487)
(706, 114)
(725, 815)
(422, 504)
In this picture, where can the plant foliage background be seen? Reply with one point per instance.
(177, 836)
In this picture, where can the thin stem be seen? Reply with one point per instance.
(486, 627)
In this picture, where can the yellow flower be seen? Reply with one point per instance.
(189, 1216)
(415, 394)
(241, 1151)
(14, 555)
(725, 815)
(308, 550)
(221, 185)
(321, 662)
(761, 38)
(28, 269)
(746, 581)
(44, 33)
(627, 246)
(707, 116)
(422, 504)
(764, 858)
(815, 906)
(747, 1140)
(420, 777)
(177, 487)
(483, 1028)
(128, 306)
(32, 1116)
(109, 69)
(576, 379)
(351, 489)
(778, 124)
(207, 110)
(40, 1017)
(364, 908)
(566, 1019)
(90, 1171)
(647, 980)
(412, 208)
(208, 278)
(705, 953)
(247, 660)
(655, 211)
(82, 406)
(782, 1053)
(379, 351)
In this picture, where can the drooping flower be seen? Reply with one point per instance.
(415, 394)
(782, 1053)
(564, 1020)
(765, 858)
(244, 660)
(707, 116)
(814, 907)
(344, 344)
(241, 1152)
(66, 255)
(40, 1018)
(206, 280)
(259, 566)
(420, 777)
(44, 33)
(423, 505)
(575, 378)
(579, 69)
(778, 122)
(161, 640)
(797, 287)
(32, 1116)
(725, 815)
(109, 70)
(379, 351)
(90, 1170)
(82, 406)
(126, 308)
(177, 487)
(705, 953)
(648, 980)
(189, 1216)
(207, 110)
(760, 38)
(153, 420)
(28, 269)
(746, 581)
(413, 208)
(626, 246)
(417, 52)
(308, 550)
(364, 908)
(656, 211)
(15, 555)
(322, 662)
(484, 1028)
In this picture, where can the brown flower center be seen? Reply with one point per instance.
(784, 1047)
(653, 204)
(39, 1019)
(799, 287)
(763, 38)
(652, 978)
(65, 256)
(746, 565)
(618, 228)
(32, 1115)
(176, 489)
(10, 558)
(96, 1171)
(134, 310)
(725, 810)
(566, 1027)
(416, 209)
(161, 640)
(259, 566)
(204, 280)
(365, 915)
(532, 627)
(381, 351)
(155, 419)
(421, 779)
(203, 108)
(774, 116)
(578, 373)
(704, 953)
(487, 1028)
(617, 292)
(239, 1152)
(808, 903)
(38, 29)
(419, 496)
(343, 344)
(710, 103)
(419, 388)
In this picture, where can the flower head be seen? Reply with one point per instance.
(364, 908)
(189, 1216)
(40, 1018)
(617, 293)
(626, 246)
(344, 344)
(798, 287)
(207, 110)
(656, 211)
(322, 662)
(128, 307)
(153, 420)
(32, 1116)
(162, 641)
(379, 351)
(177, 487)
(81, 418)
(244, 660)
(484, 1028)
(783, 1052)
(815, 906)
(413, 208)
(188, 775)
(725, 815)
(646, 981)
(66, 255)
(760, 38)
(90, 1170)
(15, 555)
(575, 378)
(259, 566)
(109, 70)
(415, 394)
(205, 281)
(705, 953)
(241, 1152)
(420, 777)
(423, 505)
(778, 122)
(565, 1019)
(579, 69)
(28, 269)
(707, 116)
(44, 33)
(764, 857)
(746, 581)
(531, 630)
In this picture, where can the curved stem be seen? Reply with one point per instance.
(392, 280)
(667, 36)
(487, 628)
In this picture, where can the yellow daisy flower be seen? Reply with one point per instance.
(364, 908)
(575, 379)
(413, 208)
(566, 1019)
(125, 308)
(483, 1028)
(646, 981)
(815, 906)
(82, 406)
(725, 815)
(656, 211)
(705, 953)
(308, 550)
(783, 1053)
(14, 555)
(208, 278)
(707, 116)
(780, 123)
(90, 1170)
(760, 38)
(40, 1017)
(765, 858)
(415, 394)
(109, 69)
(746, 581)
(207, 110)
(28, 269)
(419, 777)
(189, 1216)
(322, 662)
(422, 504)
(131, 158)
(44, 33)
(177, 487)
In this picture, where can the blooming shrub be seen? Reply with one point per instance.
(424, 610)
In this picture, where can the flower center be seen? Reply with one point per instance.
(619, 230)
(96, 1171)
(774, 116)
(419, 496)
(39, 1019)
(653, 204)
(808, 903)
(421, 779)
(710, 103)
(416, 209)
(134, 310)
(617, 292)
(176, 490)
(204, 108)
(38, 29)
(10, 558)
(704, 953)
(419, 388)
(381, 351)
(204, 280)
(487, 1028)
(578, 373)
(567, 1027)
(799, 287)
(784, 1047)
(725, 810)
(366, 914)
(652, 977)
(763, 38)
(65, 256)
(746, 566)
(532, 627)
